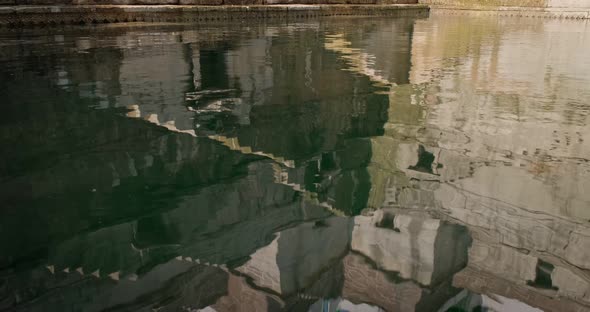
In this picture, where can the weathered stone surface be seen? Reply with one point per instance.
(396, 1)
(42, 2)
(242, 2)
(86, 14)
(537, 12)
(514, 3)
(569, 9)
(522, 3)
(156, 2)
(198, 2)
(568, 3)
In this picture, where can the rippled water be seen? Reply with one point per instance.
(439, 164)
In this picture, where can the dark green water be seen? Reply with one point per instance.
(355, 164)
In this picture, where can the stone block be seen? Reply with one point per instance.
(361, 1)
(568, 4)
(40, 2)
(279, 1)
(201, 2)
(478, 3)
(155, 2)
(117, 2)
(243, 2)
(122, 2)
(95, 2)
(396, 1)
(294, 2)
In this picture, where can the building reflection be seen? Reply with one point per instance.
(156, 208)
(297, 168)
(471, 148)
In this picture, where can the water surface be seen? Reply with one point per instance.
(356, 164)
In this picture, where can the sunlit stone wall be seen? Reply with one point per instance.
(518, 3)
(527, 3)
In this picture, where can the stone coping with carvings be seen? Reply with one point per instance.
(566, 13)
(94, 14)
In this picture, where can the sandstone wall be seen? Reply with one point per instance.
(522, 3)
(513, 3)
(198, 2)
(568, 3)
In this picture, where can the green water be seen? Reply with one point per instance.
(438, 164)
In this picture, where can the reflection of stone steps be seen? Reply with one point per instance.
(282, 176)
(117, 275)
(166, 287)
(234, 144)
(231, 142)
(97, 273)
(358, 60)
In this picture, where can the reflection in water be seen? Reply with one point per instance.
(389, 165)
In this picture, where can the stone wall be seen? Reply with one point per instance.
(93, 14)
(197, 2)
(568, 3)
(521, 3)
(512, 3)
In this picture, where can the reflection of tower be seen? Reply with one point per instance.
(289, 122)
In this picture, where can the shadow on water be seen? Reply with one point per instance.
(302, 167)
